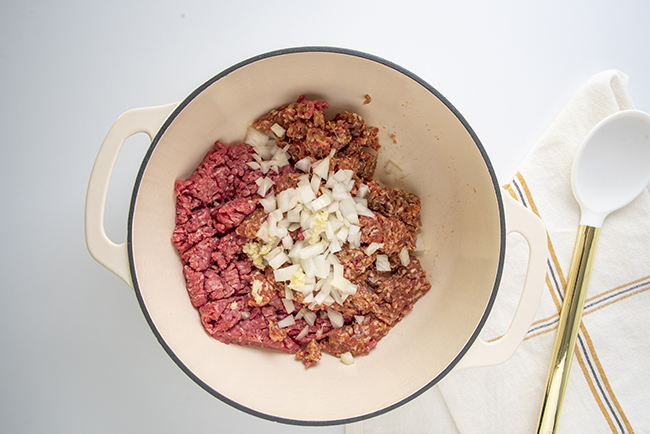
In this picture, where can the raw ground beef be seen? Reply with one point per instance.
(218, 212)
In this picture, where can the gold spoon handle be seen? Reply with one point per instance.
(567, 332)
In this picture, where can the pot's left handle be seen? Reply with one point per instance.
(523, 221)
(142, 120)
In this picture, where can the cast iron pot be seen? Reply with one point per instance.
(428, 148)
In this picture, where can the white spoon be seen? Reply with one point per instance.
(611, 168)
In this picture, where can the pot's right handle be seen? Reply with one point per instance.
(142, 120)
(523, 221)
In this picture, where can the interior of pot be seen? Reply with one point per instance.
(426, 149)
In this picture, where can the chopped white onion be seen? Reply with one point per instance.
(288, 305)
(335, 245)
(322, 295)
(362, 190)
(304, 164)
(278, 130)
(311, 251)
(310, 317)
(373, 247)
(336, 318)
(284, 274)
(322, 167)
(268, 203)
(309, 298)
(342, 234)
(263, 232)
(322, 266)
(287, 242)
(321, 202)
(419, 243)
(287, 321)
(350, 290)
(322, 205)
(265, 166)
(382, 263)
(315, 183)
(255, 137)
(279, 260)
(340, 283)
(303, 332)
(363, 210)
(349, 211)
(306, 193)
(353, 231)
(404, 257)
(347, 358)
(339, 192)
(280, 159)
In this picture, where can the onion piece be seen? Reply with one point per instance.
(322, 295)
(280, 159)
(265, 166)
(342, 234)
(321, 202)
(404, 257)
(287, 199)
(347, 358)
(340, 283)
(322, 266)
(255, 137)
(287, 321)
(310, 317)
(382, 263)
(351, 289)
(373, 247)
(306, 194)
(419, 243)
(278, 260)
(311, 251)
(362, 190)
(349, 211)
(315, 183)
(322, 167)
(335, 245)
(339, 192)
(278, 130)
(284, 274)
(363, 210)
(352, 232)
(336, 318)
(303, 332)
(287, 242)
(263, 232)
(308, 266)
(304, 164)
(288, 305)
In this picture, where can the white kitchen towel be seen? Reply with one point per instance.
(609, 384)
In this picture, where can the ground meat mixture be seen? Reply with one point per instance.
(218, 212)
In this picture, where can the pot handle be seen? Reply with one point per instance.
(141, 120)
(523, 221)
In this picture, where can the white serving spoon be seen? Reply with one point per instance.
(611, 168)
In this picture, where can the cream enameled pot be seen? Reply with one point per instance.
(428, 148)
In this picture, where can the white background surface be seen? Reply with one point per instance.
(76, 353)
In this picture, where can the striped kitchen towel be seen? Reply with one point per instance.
(609, 384)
